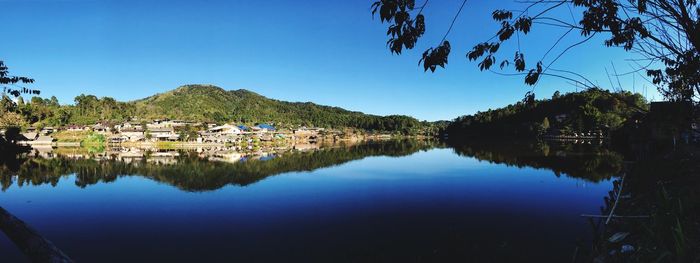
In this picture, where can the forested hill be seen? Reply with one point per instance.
(206, 103)
(211, 103)
(589, 110)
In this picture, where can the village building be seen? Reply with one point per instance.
(308, 134)
(132, 134)
(43, 131)
(102, 128)
(221, 134)
(163, 134)
(225, 129)
(128, 125)
(34, 138)
(263, 128)
(77, 128)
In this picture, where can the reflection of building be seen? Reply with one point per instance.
(306, 146)
(229, 157)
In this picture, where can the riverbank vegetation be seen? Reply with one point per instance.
(575, 112)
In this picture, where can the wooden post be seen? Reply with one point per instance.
(619, 192)
(33, 245)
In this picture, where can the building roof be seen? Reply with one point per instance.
(223, 127)
(161, 130)
(29, 136)
(44, 139)
(266, 126)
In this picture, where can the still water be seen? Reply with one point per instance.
(375, 202)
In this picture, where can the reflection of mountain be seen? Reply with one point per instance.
(189, 172)
(590, 162)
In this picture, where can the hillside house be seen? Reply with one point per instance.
(43, 131)
(225, 129)
(221, 134)
(128, 125)
(35, 138)
(164, 134)
(101, 128)
(132, 134)
(77, 128)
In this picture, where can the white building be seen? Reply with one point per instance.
(225, 129)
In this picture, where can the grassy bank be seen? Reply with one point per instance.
(666, 188)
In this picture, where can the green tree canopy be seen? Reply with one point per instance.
(665, 33)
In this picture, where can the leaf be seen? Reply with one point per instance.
(505, 32)
(434, 57)
(523, 24)
(519, 61)
(500, 15)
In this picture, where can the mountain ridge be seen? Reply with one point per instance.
(210, 103)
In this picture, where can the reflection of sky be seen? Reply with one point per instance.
(388, 203)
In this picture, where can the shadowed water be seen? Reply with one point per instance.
(399, 201)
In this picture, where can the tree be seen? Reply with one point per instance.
(665, 33)
(7, 79)
(7, 105)
(10, 119)
(556, 95)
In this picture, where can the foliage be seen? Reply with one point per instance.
(593, 109)
(664, 185)
(665, 33)
(93, 139)
(213, 104)
(7, 79)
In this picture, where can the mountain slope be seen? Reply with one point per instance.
(211, 103)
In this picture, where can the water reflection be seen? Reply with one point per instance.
(190, 170)
(593, 162)
(428, 205)
(203, 169)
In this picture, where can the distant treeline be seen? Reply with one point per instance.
(202, 103)
(589, 110)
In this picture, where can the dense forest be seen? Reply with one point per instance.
(589, 110)
(201, 103)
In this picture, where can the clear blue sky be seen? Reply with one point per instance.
(325, 51)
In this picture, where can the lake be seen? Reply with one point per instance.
(397, 201)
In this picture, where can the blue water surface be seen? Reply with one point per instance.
(429, 206)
